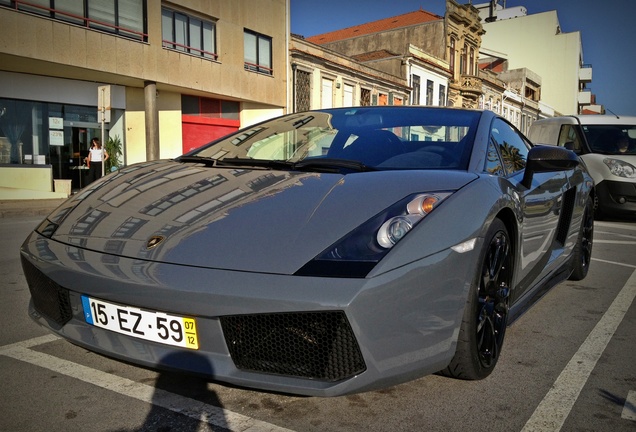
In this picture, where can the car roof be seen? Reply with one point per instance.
(604, 119)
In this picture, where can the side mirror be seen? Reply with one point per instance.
(548, 159)
(570, 145)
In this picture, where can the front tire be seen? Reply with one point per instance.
(483, 327)
(582, 255)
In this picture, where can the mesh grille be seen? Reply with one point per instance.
(316, 345)
(49, 298)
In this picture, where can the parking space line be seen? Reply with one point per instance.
(555, 407)
(615, 263)
(629, 410)
(622, 226)
(618, 242)
(29, 342)
(190, 407)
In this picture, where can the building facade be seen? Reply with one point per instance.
(513, 94)
(429, 77)
(322, 78)
(537, 42)
(177, 74)
(463, 42)
(437, 55)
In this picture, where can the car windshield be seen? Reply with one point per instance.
(611, 139)
(365, 138)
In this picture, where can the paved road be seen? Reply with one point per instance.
(568, 365)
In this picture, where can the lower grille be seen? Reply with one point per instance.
(49, 299)
(315, 345)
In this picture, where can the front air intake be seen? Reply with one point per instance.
(314, 345)
(49, 299)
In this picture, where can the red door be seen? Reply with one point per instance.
(198, 131)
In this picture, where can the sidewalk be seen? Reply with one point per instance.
(33, 207)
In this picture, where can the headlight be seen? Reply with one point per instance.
(397, 227)
(394, 229)
(359, 251)
(620, 168)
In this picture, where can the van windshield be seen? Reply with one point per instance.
(611, 139)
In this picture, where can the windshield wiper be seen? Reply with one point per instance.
(317, 164)
(332, 165)
(197, 159)
(260, 163)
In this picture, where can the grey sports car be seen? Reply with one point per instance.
(320, 253)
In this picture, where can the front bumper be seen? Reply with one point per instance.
(303, 335)
(617, 198)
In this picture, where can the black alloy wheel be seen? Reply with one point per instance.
(494, 293)
(483, 327)
(582, 255)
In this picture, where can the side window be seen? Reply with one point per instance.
(570, 134)
(513, 148)
(493, 161)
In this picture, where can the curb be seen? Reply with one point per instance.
(22, 208)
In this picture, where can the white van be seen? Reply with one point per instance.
(607, 146)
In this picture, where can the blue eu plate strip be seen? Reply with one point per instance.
(87, 310)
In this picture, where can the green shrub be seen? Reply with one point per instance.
(114, 149)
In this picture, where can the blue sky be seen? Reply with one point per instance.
(607, 30)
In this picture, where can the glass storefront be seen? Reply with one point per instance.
(48, 134)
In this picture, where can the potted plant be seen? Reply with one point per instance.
(114, 149)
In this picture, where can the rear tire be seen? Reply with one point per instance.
(582, 255)
(483, 327)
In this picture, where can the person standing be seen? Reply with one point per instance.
(96, 156)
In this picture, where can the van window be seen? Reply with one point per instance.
(570, 133)
(611, 139)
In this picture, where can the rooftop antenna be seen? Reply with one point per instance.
(607, 109)
(492, 7)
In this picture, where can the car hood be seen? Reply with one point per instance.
(237, 219)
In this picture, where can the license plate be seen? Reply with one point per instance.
(143, 324)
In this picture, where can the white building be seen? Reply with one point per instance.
(536, 42)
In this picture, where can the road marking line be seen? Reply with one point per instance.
(614, 234)
(555, 407)
(615, 263)
(190, 407)
(620, 242)
(30, 342)
(615, 225)
(629, 410)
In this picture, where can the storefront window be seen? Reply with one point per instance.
(20, 130)
(47, 134)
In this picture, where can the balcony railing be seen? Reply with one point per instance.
(253, 67)
(470, 84)
(585, 97)
(189, 50)
(585, 74)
